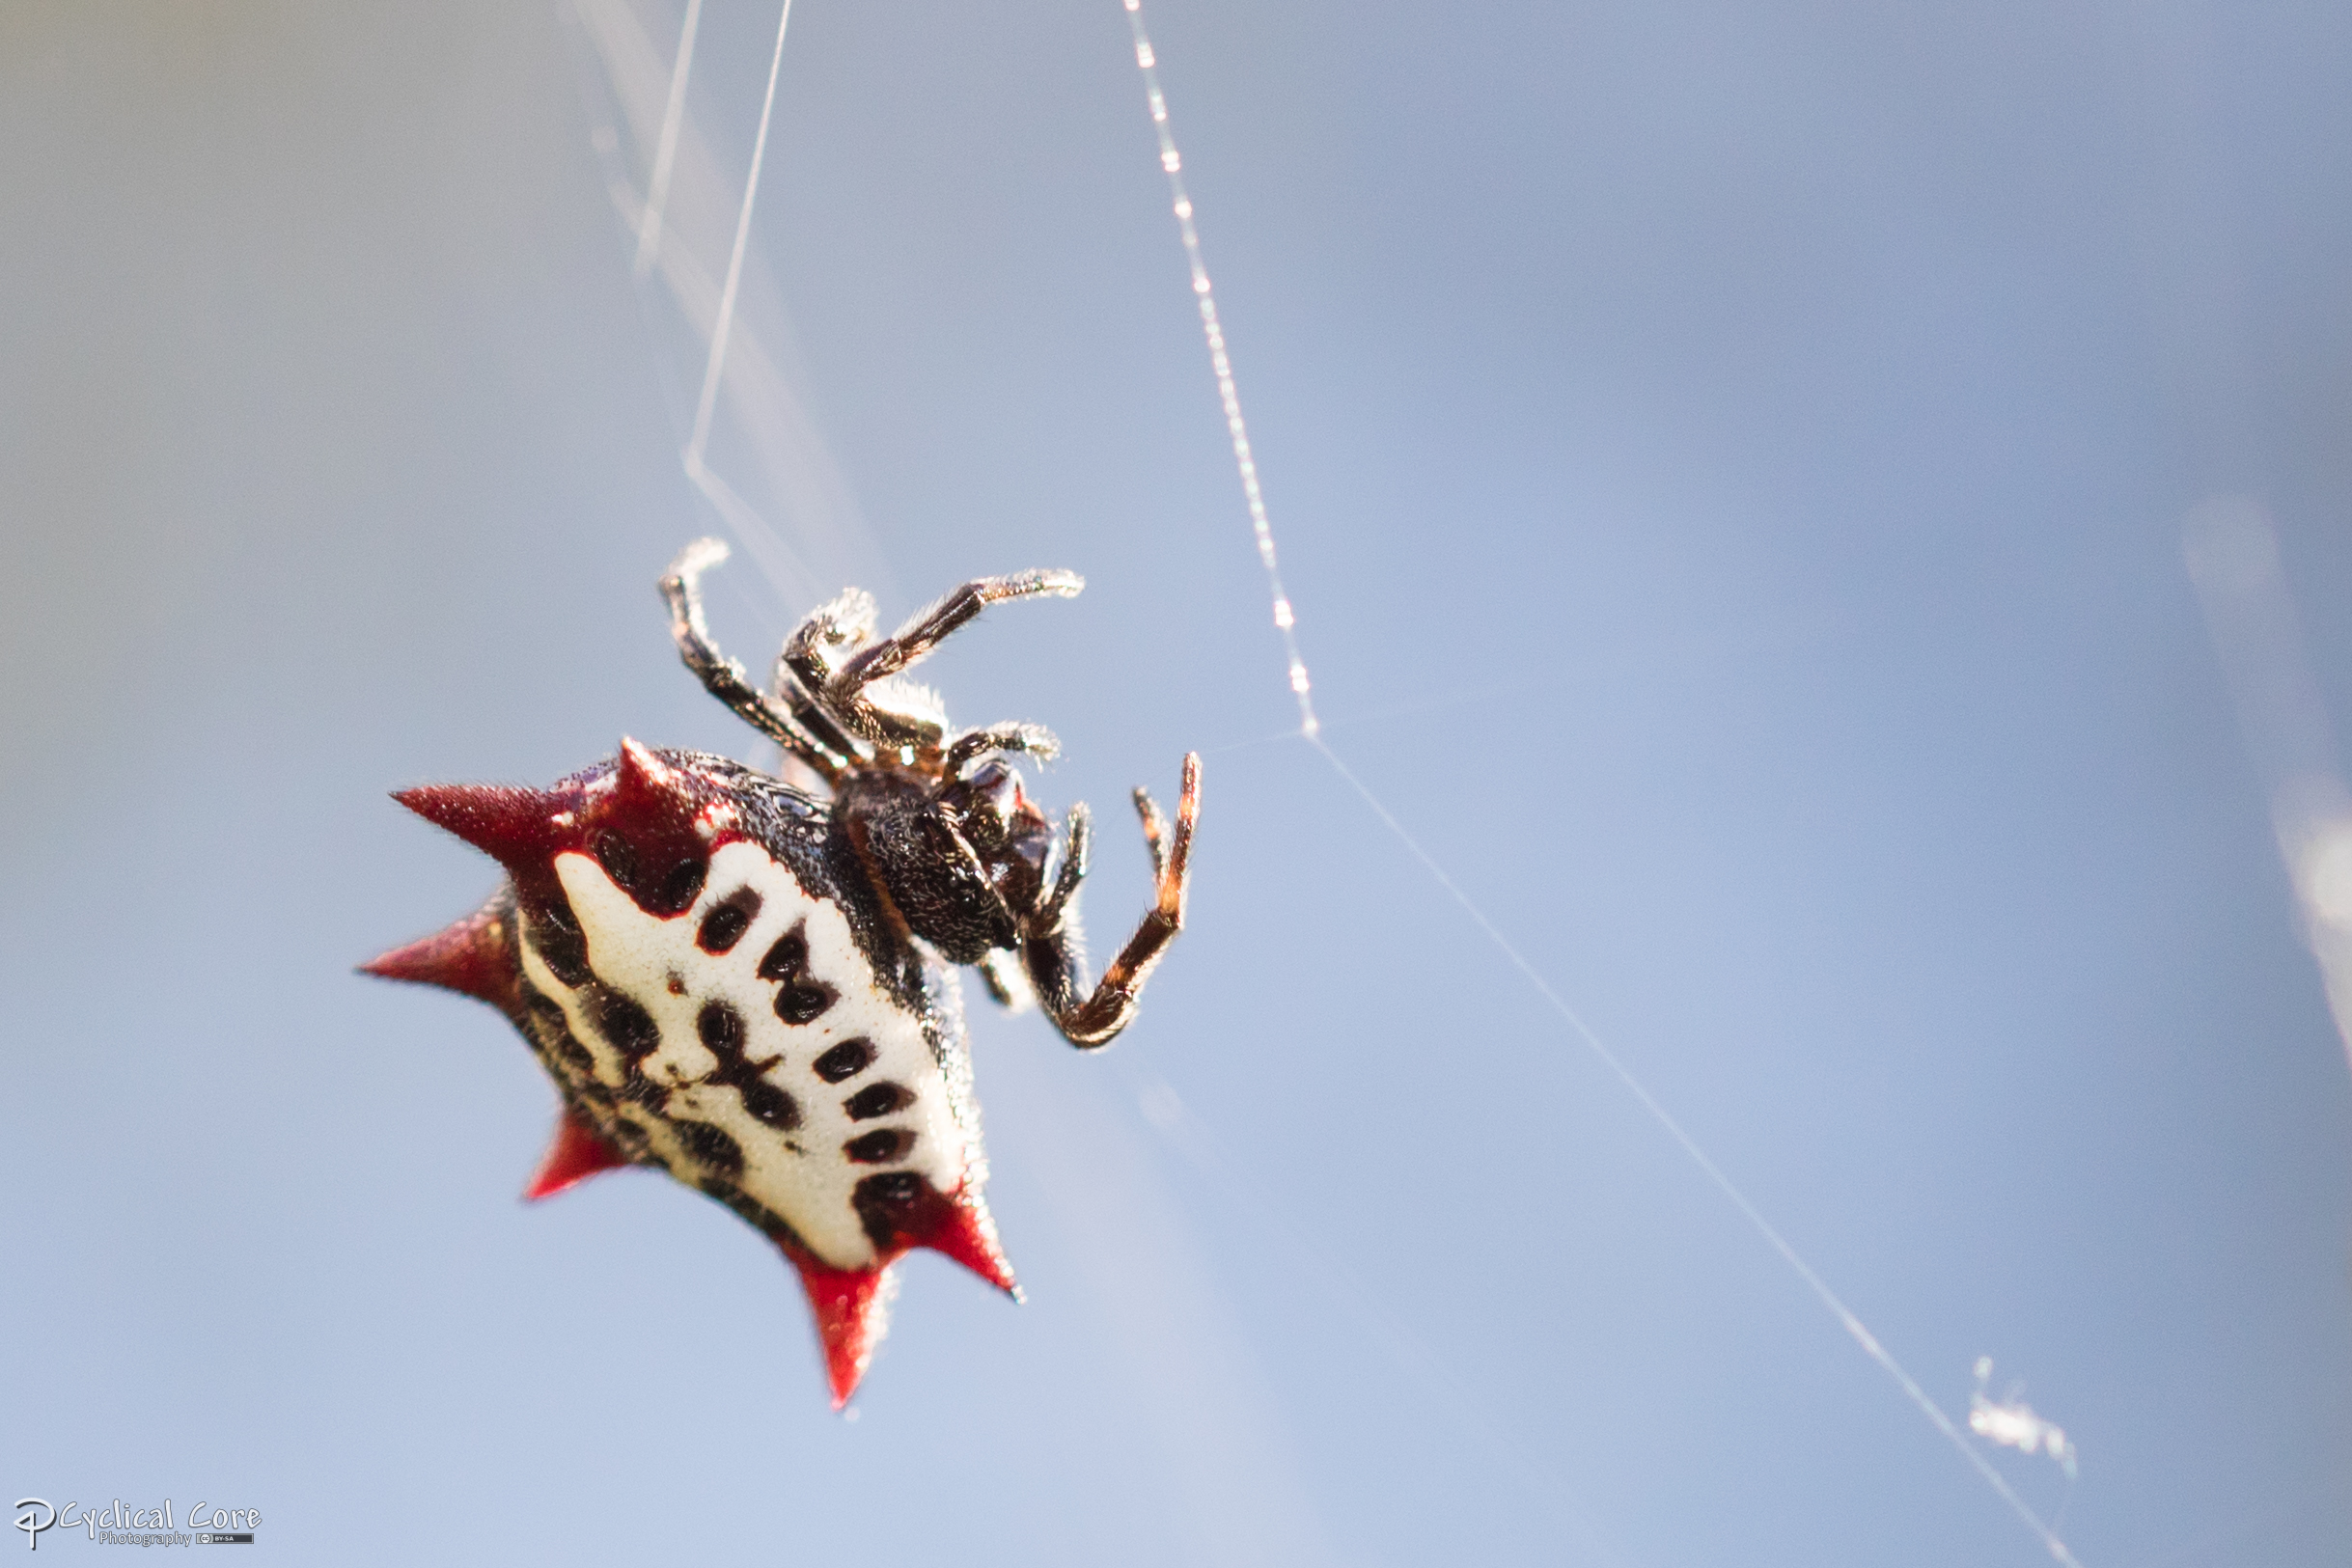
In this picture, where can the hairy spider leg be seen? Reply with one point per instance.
(1155, 831)
(845, 691)
(682, 587)
(1006, 982)
(814, 651)
(892, 714)
(1035, 740)
(1057, 966)
(1077, 849)
(793, 692)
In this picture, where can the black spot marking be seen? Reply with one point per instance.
(627, 1025)
(846, 1059)
(878, 1100)
(880, 1147)
(788, 958)
(804, 1003)
(893, 1187)
(893, 1204)
(640, 1089)
(727, 920)
(710, 1147)
(802, 1000)
(681, 887)
(618, 858)
(628, 1134)
(556, 937)
(763, 1102)
(721, 1028)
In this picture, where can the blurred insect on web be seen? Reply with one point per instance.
(2012, 1423)
(751, 986)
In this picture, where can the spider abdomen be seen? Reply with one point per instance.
(712, 995)
(735, 1102)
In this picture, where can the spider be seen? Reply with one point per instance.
(939, 820)
(747, 985)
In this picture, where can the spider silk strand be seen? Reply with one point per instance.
(1146, 60)
(665, 155)
(1844, 1314)
(716, 366)
(1221, 362)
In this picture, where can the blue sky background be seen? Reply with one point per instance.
(1730, 464)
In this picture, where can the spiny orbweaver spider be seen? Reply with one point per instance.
(749, 984)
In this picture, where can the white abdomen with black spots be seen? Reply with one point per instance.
(806, 1174)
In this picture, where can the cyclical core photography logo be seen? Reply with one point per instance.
(118, 1524)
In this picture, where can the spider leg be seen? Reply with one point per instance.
(1035, 740)
(844, 693)
(1006, 985)
(681, 586)
(1075, 855)
(1055, 963)
(1155, 831)
(831, 633)
(898, 713)
(790, 689)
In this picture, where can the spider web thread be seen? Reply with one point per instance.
(719, 334)
(1221, 362)
(1146, 60)
(665, 156)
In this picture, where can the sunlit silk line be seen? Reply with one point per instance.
(1764, 1227)
(750, 381)
(719, 330)
(1147, 61)
(1222, 363)
(665, 155)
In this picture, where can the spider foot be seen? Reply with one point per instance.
(1170, 872)
(682, 589)
(1055, 962)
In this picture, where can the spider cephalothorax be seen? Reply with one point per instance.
(748, 983)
